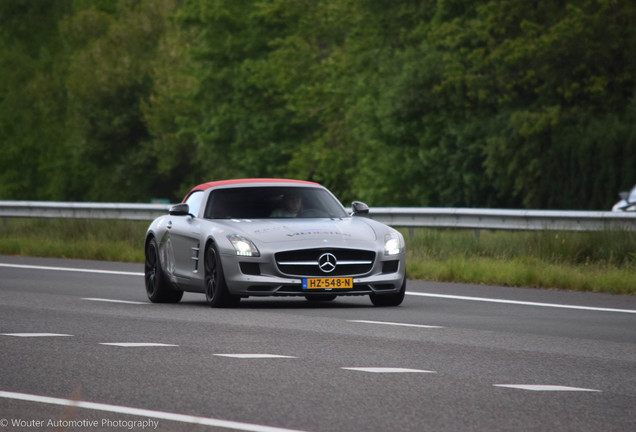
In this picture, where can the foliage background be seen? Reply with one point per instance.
(481, 103)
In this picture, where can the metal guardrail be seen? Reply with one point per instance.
(501, 219)
(408, 217)
(80, 210)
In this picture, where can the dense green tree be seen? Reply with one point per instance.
(245, 123)
(31, 100)
(110, 76)
(554, 83)
(482, 103)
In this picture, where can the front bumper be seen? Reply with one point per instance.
(266, 280)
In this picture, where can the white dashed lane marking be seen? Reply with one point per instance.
(35, 334)
(256, 356)
(137, 344)
(243, 426)
(387, 370)
(534, 387)
(395, 324)
(114, 301)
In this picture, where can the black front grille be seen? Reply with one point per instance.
(305, 262)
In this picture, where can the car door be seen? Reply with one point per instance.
(185, 232)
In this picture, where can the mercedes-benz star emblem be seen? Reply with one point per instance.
(327, 262)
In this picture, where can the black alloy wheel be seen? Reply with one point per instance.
(158, 288)
(389, 299)
(216, 291)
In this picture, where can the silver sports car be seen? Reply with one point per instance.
(234, 239)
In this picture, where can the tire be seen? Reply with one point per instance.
(216, 292)
(396, 299)
(158, 288)
(320, 298)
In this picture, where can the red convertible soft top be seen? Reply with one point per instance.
(208, 185)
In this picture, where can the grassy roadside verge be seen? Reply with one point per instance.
(598, 262)
(106, 240)
(579, 261)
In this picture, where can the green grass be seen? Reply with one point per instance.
(107, 240)
(595, 261)
(581, 261)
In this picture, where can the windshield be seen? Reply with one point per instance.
(273, 202)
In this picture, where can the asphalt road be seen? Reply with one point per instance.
(85, 351)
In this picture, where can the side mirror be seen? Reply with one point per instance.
(359, 208)
(623, 195)
(180, 210)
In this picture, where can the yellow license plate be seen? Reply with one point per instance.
(328, 283)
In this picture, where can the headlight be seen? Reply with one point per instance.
(243, 246)
(392, 244)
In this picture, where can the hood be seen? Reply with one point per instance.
(325, 230)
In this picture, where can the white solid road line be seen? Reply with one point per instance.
(524, 303)
(420, 294)
(70, 269)
(205, 421)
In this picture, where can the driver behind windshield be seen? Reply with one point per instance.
(291, 206)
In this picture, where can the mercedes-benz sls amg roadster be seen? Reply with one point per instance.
(235, 239)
